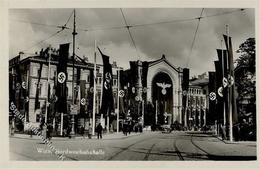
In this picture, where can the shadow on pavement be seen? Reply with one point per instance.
(231, 158)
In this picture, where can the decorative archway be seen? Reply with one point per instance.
(162, 96)
(175, 75)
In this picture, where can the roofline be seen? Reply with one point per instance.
(164, 59)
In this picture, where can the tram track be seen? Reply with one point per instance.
(127, 148)
(149, 152)
(177, 150)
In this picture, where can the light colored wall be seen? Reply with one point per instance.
(174, 75)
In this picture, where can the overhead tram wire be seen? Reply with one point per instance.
(62, 28)
(118, 27)
(34, 23)
(194, 38)
(128, 29)
(36, 44)
(68, 19)
(162, 22)
(224, 13)
(134, 25)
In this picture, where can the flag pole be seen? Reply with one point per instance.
(94, 93)
(185, 112)
(143, 113)
(224, 111)
(156, 109)
(118, 88)
(61, 124)
(48, 79)
(74, 33)
(230, 91)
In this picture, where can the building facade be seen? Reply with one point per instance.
(153, 99)
(24, 73)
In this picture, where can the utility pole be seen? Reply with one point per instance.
(74, 33)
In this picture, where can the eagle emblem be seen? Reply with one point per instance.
(163, 86)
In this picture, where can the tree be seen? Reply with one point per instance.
(245, 79)
(247, 55)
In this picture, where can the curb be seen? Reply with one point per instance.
(236, 142)
(72, 139)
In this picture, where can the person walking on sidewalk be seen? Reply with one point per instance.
(99, 130)
(223, 132)
(125, 129)
(89, 131)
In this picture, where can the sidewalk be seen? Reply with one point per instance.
(226, 150)
(109, 136)
(252, 143)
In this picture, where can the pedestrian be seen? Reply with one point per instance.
(99, 130)
(125, 129)
(129, 128)
(82, 131)
(236, 132)
(244, 130)
(48, 131)
(89, 131)
(68, 131)
(223, 132)
(31, 132)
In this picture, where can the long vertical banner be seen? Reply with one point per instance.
(62, 78)
(107, 97)
(211, 117)
(222, 57)
(231, 77)
(185, 89)
(90, 93)
(219, 89)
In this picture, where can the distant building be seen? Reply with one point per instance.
(28, 68)
(198, 101)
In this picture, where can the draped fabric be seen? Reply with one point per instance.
(219, 89)
(62, 81)
(228, 43)
(107, 98)
(211, 117)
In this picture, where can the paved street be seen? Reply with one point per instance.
(145, 146)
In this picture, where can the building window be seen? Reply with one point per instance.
(88, 78)
(204, 91)
(39, 89)
(38, 72)
(38, 118)
(99, 79)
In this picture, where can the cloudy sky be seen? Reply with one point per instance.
(155, 31)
